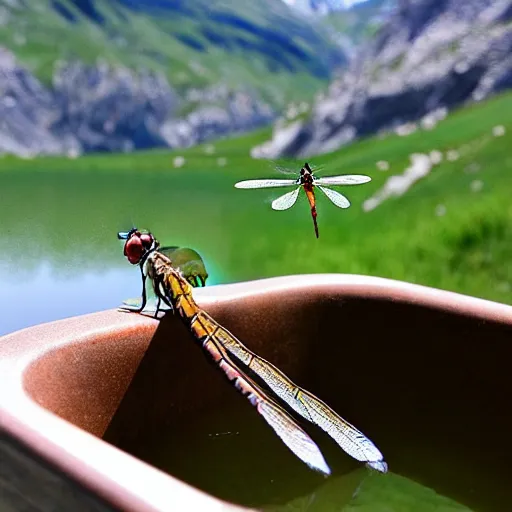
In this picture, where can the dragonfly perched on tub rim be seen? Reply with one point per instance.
(267, 388)
(189, 262)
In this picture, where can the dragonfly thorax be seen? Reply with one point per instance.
(306, 176)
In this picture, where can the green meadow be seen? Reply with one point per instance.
(446, 231)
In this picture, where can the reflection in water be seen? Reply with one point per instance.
(364, 491)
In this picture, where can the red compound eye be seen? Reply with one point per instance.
(133, 249)
(146, 240)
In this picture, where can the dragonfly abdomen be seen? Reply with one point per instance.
(202, 325)
(186, 307)
(179, 293)
(310, 193)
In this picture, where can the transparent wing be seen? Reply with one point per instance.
(293, 436)
(132, 303)
(317, 169)
(150, 308)
(233, 358)
(265, 183)
(347, 179)
(286, 201)
(296, 438)
(285, 170)
(348, 437)
(338, 199)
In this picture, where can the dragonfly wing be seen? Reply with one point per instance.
(347, 179)
(265, 183)
(150, 305)
(189, 263)
(285, 170)
(304, 403)
(348, 437)
(286, 201)
(293, 436)
(132, 303)
(338, 199)
(296, 438)
(168, 249)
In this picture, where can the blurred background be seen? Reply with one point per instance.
(121, 113)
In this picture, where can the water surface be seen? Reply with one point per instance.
(59, 254)
(232, 454)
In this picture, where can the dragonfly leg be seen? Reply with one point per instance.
(158, 303)
(144, 298)
(161, 298)
(165, 300)
(169, 303)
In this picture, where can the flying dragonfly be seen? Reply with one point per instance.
(268, 389)
(308, 181)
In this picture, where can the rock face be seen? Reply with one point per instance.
(239, 112)
(111, 109)
(26, 112)
(431, 55)
(101, 108)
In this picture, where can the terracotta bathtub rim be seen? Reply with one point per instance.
(373, 287)
(361, 286)
(115, 493)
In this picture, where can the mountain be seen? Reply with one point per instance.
(194, 43)
(355, 26)
(430, 56)
(117, 75)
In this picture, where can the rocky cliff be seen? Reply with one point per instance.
(105, 108)
(431, 55)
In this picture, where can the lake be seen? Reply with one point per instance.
(60, 255)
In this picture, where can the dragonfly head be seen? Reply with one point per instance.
(306, 175)
(138, 244)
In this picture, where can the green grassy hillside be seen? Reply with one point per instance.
(444, 232)
(194, 43)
